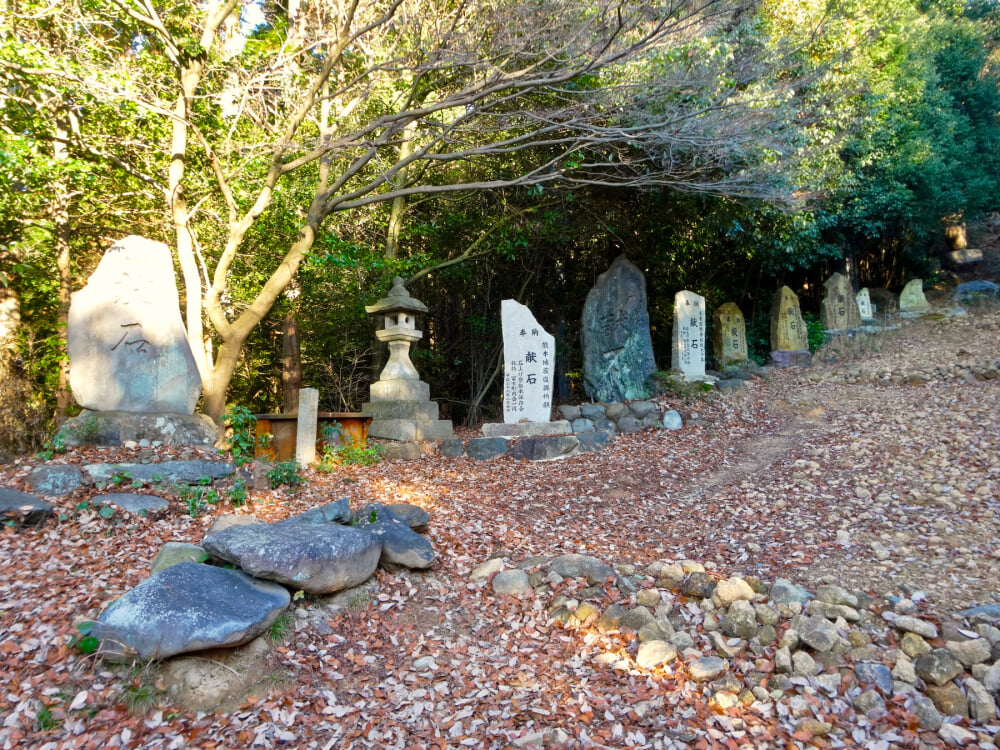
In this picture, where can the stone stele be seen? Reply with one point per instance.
(617, 348)
(839, 310)
(864, 300)
(687, 355)
(529, 355)
(912, 298)
(788, 329)
(729, 336)
(128, 348)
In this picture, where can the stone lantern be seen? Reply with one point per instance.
(400, 399)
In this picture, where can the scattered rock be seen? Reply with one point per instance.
(707, 668)
(938, 666)
(318, 558)
(23, 507)
(189, 607)
(173, 553)
(512, 582)
(131, 502)
(55, 480)
(654, 653)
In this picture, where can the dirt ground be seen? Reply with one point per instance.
(825, 474)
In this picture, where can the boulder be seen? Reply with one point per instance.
(401, 545)
(582, 566)
(317, 558)
(131, 502)
(912, 298)
(166, 471)
(511, 582)
(672, 420)
(617, 349)
(593, 411)
(117, 427)
(483, 449)
(451, 448)
(413, 516)
(569, 412)
(128, 349)
(55, 480)
(23, 507)
(594, 441)
(547, 448)
(339, 511)
(642, 409)
(972, 289)
(173, 553)
(189, 607)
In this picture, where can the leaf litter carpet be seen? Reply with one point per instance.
(888, 489)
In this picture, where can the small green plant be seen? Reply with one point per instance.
(120, 477)
(672, 384)
(140, 694)
(84, 641)
(285, 473)
(238, 493)
(814, 331)
(281, 629)
(199, 496)
(56, 445)
(45, 721)
(104, 510)
(353, 453)
(243, 437)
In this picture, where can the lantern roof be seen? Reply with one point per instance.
(398, 300)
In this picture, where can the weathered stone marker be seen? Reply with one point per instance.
(839, 310)
(789, 337)
(617, 348)
(729, 336)
(127, 345)
(912, 298)
(305, 426)
(529, 353)
(688, 350)
(864, 301)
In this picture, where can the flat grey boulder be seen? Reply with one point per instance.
(401, 545)
(173, 553)
(413, 516)
(55, 480)
(594, 441)
(117, 427)
(547, 448)
(483, 449)
(339, 511)
(189, 607)
(166, 471)
(131, 502)
(317, 558)
(582, 566)
(23, 506)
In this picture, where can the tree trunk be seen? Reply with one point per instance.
(291, 366)
(60, 222)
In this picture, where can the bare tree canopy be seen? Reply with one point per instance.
(331, 106)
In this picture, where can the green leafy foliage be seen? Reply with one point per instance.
(285, 474)
(83, 640)
(243, 437)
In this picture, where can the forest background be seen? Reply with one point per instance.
(297, 156)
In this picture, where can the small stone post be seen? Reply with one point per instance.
(305, 435)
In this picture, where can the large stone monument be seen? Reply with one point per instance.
(128, 349)
(688, 351)
(912, 299)
(839, 309)
(729, 336)
(131, 367)
(400, 399)
(617, 348)
(789, 337)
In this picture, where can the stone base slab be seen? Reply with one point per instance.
(785, 358)
(398, 389)
(420, 410)
(526, 429)
(409, 430)
(116, 427)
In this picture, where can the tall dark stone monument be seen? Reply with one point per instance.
(617, 349)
